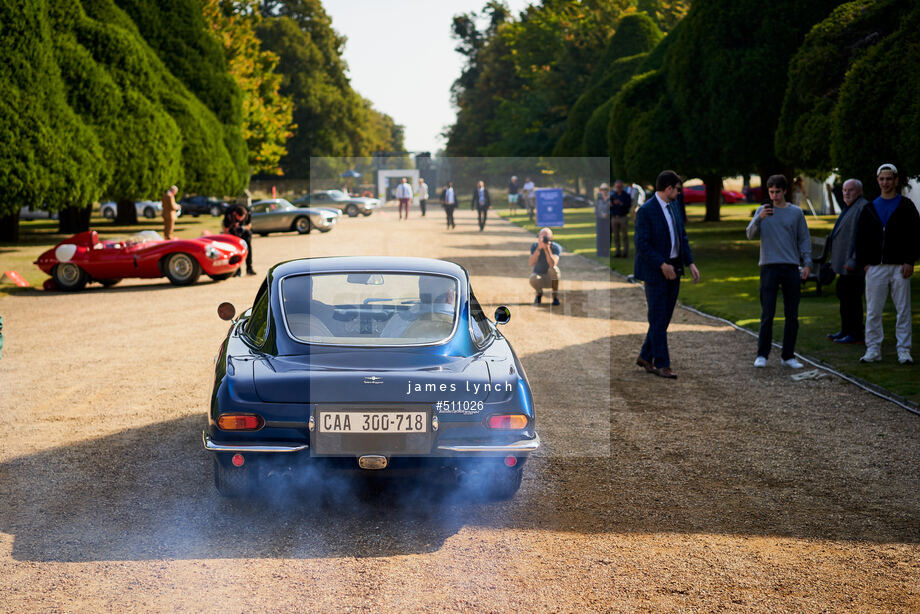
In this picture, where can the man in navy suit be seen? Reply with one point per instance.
(662, 252)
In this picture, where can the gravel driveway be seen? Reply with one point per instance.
(727, 489)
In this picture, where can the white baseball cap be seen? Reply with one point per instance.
(887, 167)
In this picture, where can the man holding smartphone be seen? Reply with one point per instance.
(544, 258)
(784, 243)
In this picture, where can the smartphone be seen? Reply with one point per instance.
(769, 207)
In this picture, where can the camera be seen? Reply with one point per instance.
(545, 239)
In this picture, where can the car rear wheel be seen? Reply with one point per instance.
(149, 213)
(215, 210)
(303, 225)
(232, 481)
(351, 210)
(108, 213)
(182, 269)
(69, 276)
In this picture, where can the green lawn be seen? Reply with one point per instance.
(729, 288)
(37, 236)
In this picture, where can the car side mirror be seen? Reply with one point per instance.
(226, 311)
(502, 315)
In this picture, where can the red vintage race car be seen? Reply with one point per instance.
(85, 258)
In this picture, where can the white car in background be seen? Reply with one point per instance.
(145, 208)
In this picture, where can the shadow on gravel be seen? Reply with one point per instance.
(147, 493)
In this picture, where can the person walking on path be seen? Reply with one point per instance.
(529, 195)
(544, 258)
(170, 211)
(784, 243)
(404, 195)
(851, 283)
(662, 252)
(481, 202)
(620, 204)
(513, 190)
(887, 246)
(422, 194)
(449, 202)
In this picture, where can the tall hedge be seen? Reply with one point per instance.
(635, 34)
(177, 32)
(48, 156)
(817, 72)
(877, 117)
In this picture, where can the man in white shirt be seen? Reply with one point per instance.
(449, 202)
(422, 195)
(527, 191)
(404, 195)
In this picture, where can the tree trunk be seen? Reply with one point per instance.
(72, 220)
(713, 197)
(127, 214)
(9, 228)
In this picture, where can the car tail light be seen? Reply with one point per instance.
(510, 461)
(240, 422)
(237, 460)
(508, 422)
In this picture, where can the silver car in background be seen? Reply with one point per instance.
(146, 208)
(279, 215)
(349, 205)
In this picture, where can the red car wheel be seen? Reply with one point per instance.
(69, 276)
(182, 269)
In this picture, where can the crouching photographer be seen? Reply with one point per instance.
(238, 222)
(544, 258)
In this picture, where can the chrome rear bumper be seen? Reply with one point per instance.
(525, 445)
(211, 446)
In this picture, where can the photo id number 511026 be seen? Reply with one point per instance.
(458, 407)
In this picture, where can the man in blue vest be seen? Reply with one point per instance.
(662, 252)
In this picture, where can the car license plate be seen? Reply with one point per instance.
(373, 422)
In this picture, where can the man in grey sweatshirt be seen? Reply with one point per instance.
(784, 243)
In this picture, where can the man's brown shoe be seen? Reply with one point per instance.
(648, 366)
(666, 372)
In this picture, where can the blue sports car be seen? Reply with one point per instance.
(368, 364)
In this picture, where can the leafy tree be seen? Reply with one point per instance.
(879, 91)
(178, 33)
(666, 14)
(730, 56)
(266, 114)
(49, 156)
(635, 34)
(817, 73)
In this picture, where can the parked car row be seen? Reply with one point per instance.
(337, 199)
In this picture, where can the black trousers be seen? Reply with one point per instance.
(661, 297)
(850, 290)
(482, 212)
(449, 210)
(774, 277)
(421, 203)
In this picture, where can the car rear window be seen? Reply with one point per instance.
(370, 308)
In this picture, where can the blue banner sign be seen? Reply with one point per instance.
(549, 207)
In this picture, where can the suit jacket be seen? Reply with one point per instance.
(653, 242)
(485, 203)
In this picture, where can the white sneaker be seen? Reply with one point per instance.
(792, 363)
(760, 361)
(904, 358)
(871, 356)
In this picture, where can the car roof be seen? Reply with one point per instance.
(368, 263)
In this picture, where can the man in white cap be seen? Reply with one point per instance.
(887, 246)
